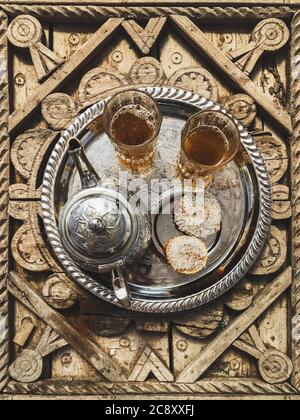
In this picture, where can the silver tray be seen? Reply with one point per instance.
(243, 189)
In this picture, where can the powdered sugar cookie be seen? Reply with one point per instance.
(201, 222)
(186, 254)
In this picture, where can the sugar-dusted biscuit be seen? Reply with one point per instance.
(200, 222)
(186, 254)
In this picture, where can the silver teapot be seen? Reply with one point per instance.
(100, 229)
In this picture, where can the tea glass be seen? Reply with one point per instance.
(135, 139)
(227, 134)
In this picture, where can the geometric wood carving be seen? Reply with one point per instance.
(18, 209)
(234, 372)
(241, 297)
(27, 154)
(147, 71)
(58, 292)
(213, 388)
(197, 80)
(148, 363)
(25, 31)
(144, 38)
(282, 208)
(104, 364)
(24, 332)
(25, 147)
(242, 107)
(107, 326)
(102, 81)
(26, 252)
(271, 146)
(274, 151)
(274, 254)
(274, 366)
(28, 366)
(58, 109)
(269, 35)
(152, 326)
(55, 81)
(295, 186)
(202, 323)
(200, 40)
(97, 82)
(4, 201)
(237, 327)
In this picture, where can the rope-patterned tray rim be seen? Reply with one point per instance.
(168, 305)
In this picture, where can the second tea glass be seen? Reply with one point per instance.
(210, 140)
(132, 120)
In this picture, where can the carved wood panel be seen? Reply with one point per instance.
(62, 341)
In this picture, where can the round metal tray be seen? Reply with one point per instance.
(242, 188)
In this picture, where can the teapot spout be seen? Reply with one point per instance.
(88, 176)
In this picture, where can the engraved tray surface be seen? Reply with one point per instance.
(242, 189)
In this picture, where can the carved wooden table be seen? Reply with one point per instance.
(56, 339)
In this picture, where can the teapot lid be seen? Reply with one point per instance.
(98, 226)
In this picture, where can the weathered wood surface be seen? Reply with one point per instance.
(28, 366)
(274, 255)
(25, 31)
(212, 386)
(269, 35)
(148, 363)
(193, 33)
(172, 60)
(4, 199)
(59, 292)
(65, 72)
(232, 332)
(144, 38)
(24, 332)
(295, 68)
(89, 12)
(274, 367)
(86, 347)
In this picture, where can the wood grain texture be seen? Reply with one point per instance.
(58, 291)
(24, 331)
(110, 59)
(247, 57)
(28, 366)
(64, 73)
(144, 38)
(148, 363)
(4, 199)
(274, 254)
(274, 366)
(80, 342)
(201, 42)
(295, 93)
(232, 332)
(26, 31)
(209, 386)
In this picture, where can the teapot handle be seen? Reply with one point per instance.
(120, 286)
(88, 176)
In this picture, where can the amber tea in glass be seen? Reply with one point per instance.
(210, 140)
(132, 119)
